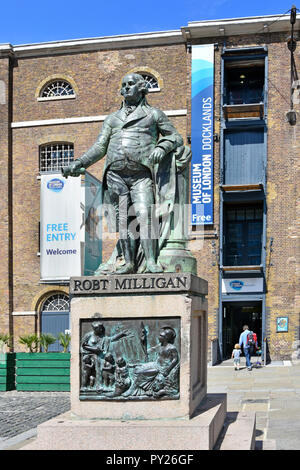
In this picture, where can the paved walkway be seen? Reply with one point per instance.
(273, 392)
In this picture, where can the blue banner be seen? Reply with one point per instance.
(202, 134)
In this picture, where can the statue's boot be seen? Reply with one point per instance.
(151, 265)
(128, 268)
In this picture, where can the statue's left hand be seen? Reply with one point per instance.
(157, 155)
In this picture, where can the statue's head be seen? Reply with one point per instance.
(98, 327)
(167, 333)
(109, 358)
(133, 88)
(121, 361)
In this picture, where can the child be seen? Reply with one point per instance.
(108, 370)
(236, 356)
(89, 370)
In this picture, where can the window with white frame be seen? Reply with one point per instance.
(151, 82)
(55, 156)
(57, 89)
(57, 303)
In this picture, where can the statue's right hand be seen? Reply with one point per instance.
(75, 169)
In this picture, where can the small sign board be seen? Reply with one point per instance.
(282, 324)
(242, 285)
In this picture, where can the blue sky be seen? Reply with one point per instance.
(33, 21)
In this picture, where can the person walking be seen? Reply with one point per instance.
(243, 342)
(236, 353)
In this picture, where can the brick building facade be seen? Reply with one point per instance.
(94, 68)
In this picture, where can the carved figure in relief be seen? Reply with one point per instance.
(125, 371)
(89, 371)
(98, 343)
(108, 371)
(123, 381)
(159, 377)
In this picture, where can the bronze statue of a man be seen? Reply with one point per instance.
(139, 142)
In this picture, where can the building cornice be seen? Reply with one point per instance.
(6, 50)
(237, 26)
(97, 44)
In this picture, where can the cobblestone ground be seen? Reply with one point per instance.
(22, 411)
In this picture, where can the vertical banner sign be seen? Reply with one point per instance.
(60, 220)
(202, 134)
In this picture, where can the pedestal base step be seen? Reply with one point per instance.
(238, 433)
(67, 432)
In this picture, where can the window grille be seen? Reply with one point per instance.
(57, 88)
(151, 82)
(53, 157)
(57, 303)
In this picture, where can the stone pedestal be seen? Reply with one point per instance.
(187, 419)
(144, 298)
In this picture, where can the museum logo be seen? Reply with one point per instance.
(55, 185)
(236, 285)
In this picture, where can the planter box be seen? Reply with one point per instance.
(43, 372)
(7, 371)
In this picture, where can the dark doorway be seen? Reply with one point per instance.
(235, 316)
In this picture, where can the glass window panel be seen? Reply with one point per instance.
(230, 214)
(250, 213)
(151, 81)
(258, 213)
(57, 88)
(240, 214)
(53, 157)
(57, 302)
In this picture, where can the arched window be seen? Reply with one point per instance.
(57, 89)
(56, 303)
(151, 81)
(55, 156)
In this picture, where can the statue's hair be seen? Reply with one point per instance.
(109, 357)
(171, 334)
(141, 82)
(95, 324)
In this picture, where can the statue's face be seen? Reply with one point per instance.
(98, 328)
(162, 337)
(130, 89)
(165, 336)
